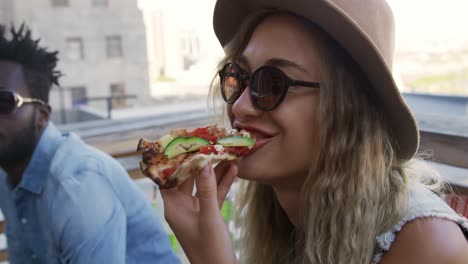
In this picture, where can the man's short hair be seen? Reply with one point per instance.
(39, 65)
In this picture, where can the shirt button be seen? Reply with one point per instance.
(24, 220)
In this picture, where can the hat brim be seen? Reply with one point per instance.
(229, 14)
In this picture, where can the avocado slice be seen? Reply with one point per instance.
(236, 141)
(164, 141)
(182, 145)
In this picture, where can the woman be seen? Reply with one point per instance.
(332, 178)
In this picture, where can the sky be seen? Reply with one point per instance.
(433, 25)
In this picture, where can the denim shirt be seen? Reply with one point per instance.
(75, 204)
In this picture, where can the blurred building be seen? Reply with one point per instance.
(182, 48)
(6, 8)
(173, 47)
(102, 45)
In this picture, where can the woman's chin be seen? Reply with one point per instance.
(248, 174)
(255, 175)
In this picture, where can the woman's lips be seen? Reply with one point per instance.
(261, 136)
(261, 139)
(260, 143)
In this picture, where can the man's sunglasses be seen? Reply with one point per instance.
(268, 85)
(9, 101)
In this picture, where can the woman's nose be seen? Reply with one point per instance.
(243, 108)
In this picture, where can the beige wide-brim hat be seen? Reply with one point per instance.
(364, 28)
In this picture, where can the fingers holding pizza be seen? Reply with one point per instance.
(196, 218)
(182, 159)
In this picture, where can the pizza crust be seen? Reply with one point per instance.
(190, 167)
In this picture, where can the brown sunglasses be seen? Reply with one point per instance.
(268, 85)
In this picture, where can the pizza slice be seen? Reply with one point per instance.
(181, 154)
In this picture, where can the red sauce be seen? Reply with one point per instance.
(168, 172)
(208, 149)
(238, 151)
(204, 133)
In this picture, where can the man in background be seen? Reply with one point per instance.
(63, 201)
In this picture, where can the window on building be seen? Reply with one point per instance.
(78, 96)
(60, 3)
(100, 2)
(116, 90)
(74, 49)
(114, 46)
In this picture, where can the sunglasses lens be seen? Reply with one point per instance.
(267, 87)
(230, 83)
(7, 102)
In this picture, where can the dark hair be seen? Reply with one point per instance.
(38, 63)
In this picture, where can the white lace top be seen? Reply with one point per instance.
(422, 203)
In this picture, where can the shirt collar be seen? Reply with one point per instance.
(34, 176)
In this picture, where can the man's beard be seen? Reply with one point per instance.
(21, 147)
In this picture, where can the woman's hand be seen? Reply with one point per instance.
(196, 220)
